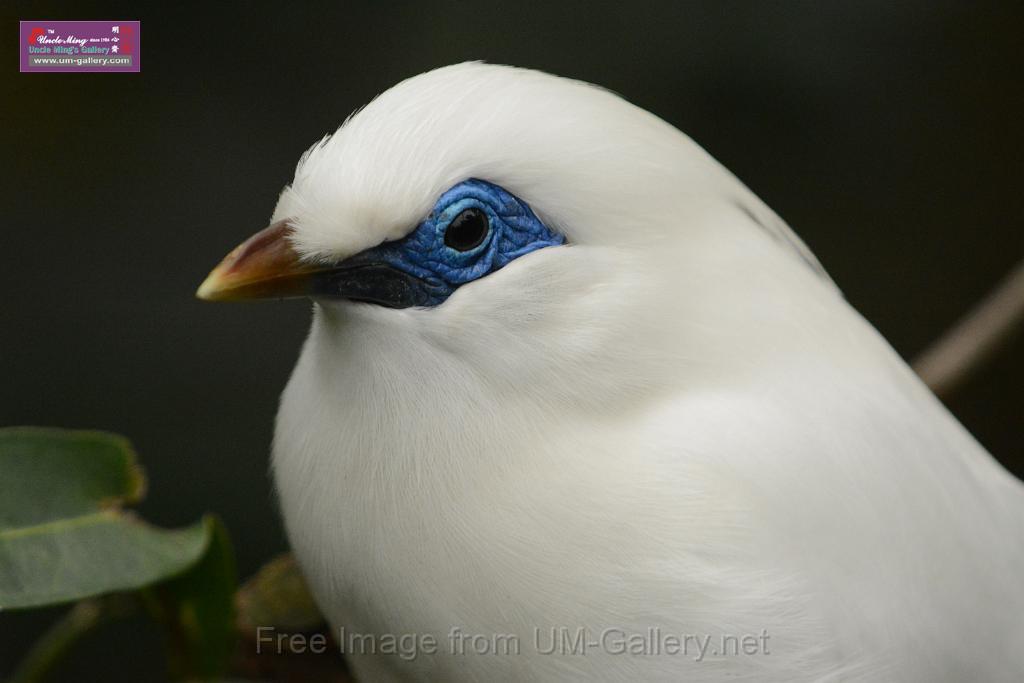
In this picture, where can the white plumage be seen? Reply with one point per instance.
(674, 421)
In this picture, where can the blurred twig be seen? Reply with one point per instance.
(54, 644)
(951, 359)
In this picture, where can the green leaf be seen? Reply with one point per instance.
(52, 474)
(198, 612)
(63, 534)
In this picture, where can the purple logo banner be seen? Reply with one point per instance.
(80, 46)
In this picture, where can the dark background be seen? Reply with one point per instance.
(888, 134)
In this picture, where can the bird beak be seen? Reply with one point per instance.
(265, 266)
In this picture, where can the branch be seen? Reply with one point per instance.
(59, 639)
(975, 338)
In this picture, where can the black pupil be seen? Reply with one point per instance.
(467, 230)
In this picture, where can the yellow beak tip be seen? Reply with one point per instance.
(265, 266)
(210, 289)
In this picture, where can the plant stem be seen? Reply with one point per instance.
(58, 640)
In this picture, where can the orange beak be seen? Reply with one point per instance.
(265, 266)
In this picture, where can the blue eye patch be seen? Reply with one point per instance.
(475, 228)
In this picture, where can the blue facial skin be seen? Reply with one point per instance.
(421, 270)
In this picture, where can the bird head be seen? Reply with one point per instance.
(502, 197)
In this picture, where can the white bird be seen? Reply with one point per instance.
(567, 375)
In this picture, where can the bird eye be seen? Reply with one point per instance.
(467, 230)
